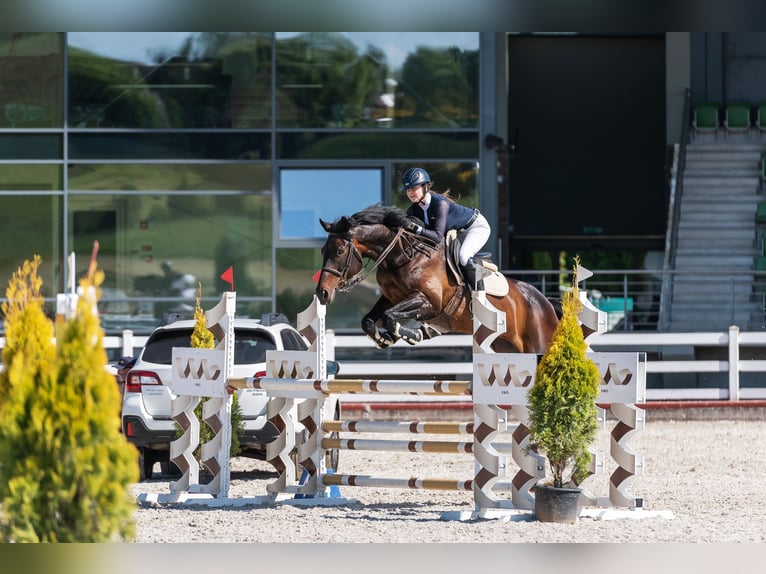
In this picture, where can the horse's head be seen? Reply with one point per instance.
(341, 260)
(365, 234)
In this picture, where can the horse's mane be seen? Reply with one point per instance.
(388, 215)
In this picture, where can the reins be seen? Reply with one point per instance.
(346, 285)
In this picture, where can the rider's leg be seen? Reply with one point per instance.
(469, 273)
(471, 241)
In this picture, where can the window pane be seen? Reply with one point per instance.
(30, 177)
(308, 194)
(368, 79)
(169, 79)
(31, 89)
(30, 146)
(376, 145)
(295, 289)
(227, 145)
(35, 227)
(170, 177)
(155, 249)
(462, 179)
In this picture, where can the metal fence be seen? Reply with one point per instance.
(723, 365)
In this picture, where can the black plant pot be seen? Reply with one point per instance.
(554, 504)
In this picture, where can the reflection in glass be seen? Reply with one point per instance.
(295, 289)
(35, 227)
(170, 177)
(377, 79)
(156, 249)
(30, 146)
(204, 145)
(30, 177)
(376, 145)
(31, 85)
(461, 179)
(308, 194)
(169, 79)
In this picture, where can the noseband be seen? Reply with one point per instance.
(345, 284)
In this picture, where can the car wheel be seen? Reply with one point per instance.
(145, 464)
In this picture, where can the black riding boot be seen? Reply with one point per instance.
(469, 274)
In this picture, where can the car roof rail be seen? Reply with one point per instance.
(274, 318)
(169, 318)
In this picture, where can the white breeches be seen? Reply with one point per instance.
(474, 238)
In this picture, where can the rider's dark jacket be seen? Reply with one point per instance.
(443, 215)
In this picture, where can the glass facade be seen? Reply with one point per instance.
(180, 153)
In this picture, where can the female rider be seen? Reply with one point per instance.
(440, 214)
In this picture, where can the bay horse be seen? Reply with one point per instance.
(415, 285)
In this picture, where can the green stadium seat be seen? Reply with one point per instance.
(737, 118)
(760, 117)
(760, 213)
(705, 118)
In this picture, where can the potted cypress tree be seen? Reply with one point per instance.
(563, 414)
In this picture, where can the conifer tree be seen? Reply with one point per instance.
(562, 400)
(65, 468)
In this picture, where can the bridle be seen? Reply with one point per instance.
(346, 284)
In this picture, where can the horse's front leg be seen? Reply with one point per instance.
(383, 339)
(417, 308)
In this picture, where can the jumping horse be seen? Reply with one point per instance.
(416, 284)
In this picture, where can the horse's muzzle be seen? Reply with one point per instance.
(325, 296)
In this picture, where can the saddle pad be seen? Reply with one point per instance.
(495, 284)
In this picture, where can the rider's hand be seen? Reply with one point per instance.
(413, 227)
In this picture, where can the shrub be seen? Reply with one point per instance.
(562, 401)
(65, 468)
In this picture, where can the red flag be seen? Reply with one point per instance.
(228, 276)
(316, 276)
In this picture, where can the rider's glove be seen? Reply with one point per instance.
(413, 227)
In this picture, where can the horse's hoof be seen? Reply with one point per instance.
(412, 337)
(383, 341)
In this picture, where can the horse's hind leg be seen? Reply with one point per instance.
(429, 331)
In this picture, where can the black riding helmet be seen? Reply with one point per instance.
(413, 177)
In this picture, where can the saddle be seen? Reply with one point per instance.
(494, 281)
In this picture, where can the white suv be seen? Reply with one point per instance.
(146, 420)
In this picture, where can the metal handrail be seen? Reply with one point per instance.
(674, 214)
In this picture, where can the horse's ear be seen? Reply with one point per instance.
(326, 226)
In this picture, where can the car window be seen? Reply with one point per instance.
(250, 346)
(292, 341)
(159, 348)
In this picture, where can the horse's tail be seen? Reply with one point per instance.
(557, 307)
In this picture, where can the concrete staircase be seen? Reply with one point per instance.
(717, 245)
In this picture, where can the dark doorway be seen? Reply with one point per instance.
(587, 119)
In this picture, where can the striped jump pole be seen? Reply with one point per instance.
(413, 427)
(362, 386)
(402, 483)
(431, 446)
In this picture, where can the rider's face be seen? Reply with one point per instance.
(416, 193)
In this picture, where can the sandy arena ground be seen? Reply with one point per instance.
(707, 475)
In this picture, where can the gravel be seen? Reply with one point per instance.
(702, 482)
